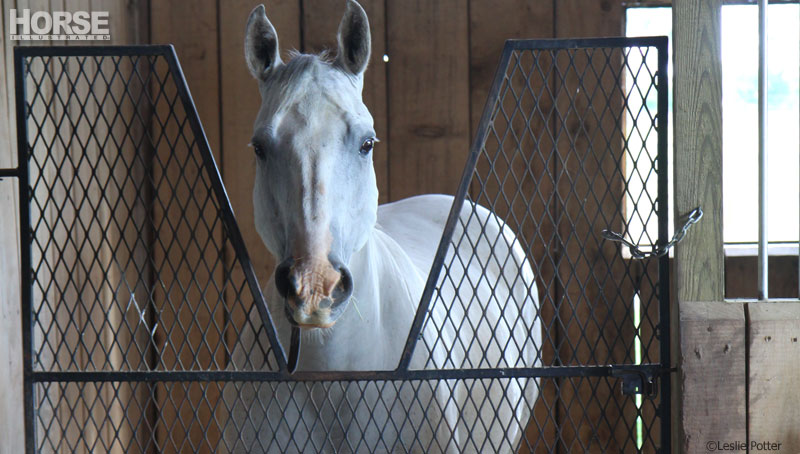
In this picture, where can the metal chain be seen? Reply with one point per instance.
(657, 250)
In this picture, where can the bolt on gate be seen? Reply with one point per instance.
(145, 330)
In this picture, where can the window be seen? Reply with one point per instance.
(740, 116)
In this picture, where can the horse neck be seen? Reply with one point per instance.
(387, 289)
(388, 284)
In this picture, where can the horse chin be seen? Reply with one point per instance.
(307, 326)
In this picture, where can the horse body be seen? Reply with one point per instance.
(351, 274)
(389, 274)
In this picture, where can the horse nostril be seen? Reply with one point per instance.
(344, 289)
(282, 280)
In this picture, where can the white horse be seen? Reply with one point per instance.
(351, 274)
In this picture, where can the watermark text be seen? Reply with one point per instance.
(25, 25)
(739, 445)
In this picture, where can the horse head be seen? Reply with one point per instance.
(315, 195)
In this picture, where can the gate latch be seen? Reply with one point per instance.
(637, 381)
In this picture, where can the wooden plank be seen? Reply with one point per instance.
(11, 424)
(320, 23)
(773, 409)
(82, 318)
(698, 146)
(598, 287)
(428, 90)
(193, 32)
(711, 382)
(185, 250)
(741, 270)
(490, 25)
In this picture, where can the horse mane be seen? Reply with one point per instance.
(293, 76)
(296, 77)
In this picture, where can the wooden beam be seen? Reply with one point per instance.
(711, 381)
(698, 146)
(774, 377)
(697, 168)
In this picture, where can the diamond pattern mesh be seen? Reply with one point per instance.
(346, 417)
(128, 243)
(570, 150)
(137, 281)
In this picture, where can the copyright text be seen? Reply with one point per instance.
(738, 445)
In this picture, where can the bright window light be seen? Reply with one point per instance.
(740, 116)
(646, 22)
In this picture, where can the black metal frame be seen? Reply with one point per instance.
(31, 377)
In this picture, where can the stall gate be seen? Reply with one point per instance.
(137, 285)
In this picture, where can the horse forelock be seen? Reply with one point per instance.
(302, 75)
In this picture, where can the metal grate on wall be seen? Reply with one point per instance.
(145, 330)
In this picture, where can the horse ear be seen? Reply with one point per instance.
(260, 44)
(354, 39)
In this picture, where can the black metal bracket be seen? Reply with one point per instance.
(9, 173)
(638, 381)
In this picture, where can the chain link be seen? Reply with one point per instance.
(657, 250)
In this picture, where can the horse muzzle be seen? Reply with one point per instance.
(316, 293)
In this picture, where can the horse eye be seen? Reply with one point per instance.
(367, 146)
(259, 150)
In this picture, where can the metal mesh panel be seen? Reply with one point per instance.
(346, 417)
(570, 149)
(147, 332)
(127, 238)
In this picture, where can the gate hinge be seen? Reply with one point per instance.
(637, 381)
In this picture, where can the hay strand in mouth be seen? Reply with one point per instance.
(355, 305)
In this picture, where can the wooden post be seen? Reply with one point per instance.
(699, 281)
(11, 421)
(698, 146)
